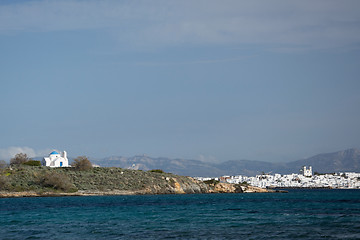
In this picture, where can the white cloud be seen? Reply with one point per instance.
(310, 24)
(209, 158)
(10, 152)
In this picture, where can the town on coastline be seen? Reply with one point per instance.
(304, 179)
(55, 176)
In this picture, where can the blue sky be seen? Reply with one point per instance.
(209, 80)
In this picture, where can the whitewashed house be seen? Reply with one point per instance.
(56, 159)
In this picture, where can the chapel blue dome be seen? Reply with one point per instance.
(54, 152)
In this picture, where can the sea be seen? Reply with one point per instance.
(298, 214)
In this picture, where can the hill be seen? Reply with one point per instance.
(97, 180)
(347, 160)
(177, 166)
(23, 180)
(341, 161)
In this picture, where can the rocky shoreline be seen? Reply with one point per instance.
(62, 194)
(46, 182)
(219, 188)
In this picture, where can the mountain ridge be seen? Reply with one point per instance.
(340, 161)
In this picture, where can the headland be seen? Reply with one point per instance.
(40, 181)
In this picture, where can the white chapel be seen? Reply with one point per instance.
(56, 159)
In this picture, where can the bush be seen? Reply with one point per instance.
(4, 183)
(211, 181)
(82, 163)
(57, 181)
(19, 158)
(157, 171)
(32, 163)
(3, 164)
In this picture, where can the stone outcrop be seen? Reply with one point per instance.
(251, 189)
(176, 185)
(236, 188)
(223, 188)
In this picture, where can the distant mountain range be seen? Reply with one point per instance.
(347, 160)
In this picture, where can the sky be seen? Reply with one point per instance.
(201, 79)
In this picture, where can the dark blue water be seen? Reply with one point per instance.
(299, 214)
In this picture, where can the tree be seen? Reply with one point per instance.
(3, 164)
(19, 158)
(82, 163)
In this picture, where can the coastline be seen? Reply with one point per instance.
(29, 181)
(81, 193)
(64, 194)
(315, 188)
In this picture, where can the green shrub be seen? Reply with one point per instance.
(56, 181)
(157, 171)
(4, 183)
(211, 181)
(32, 163)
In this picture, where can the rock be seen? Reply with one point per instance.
(224, 188)
(251, 189)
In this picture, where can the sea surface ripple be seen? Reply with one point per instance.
(299, 214)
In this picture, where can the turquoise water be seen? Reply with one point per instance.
(299, 214)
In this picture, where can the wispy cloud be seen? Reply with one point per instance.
(209, 158)
(10, 152)
(203, 61)
(310, 24)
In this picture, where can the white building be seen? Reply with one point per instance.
(338, 180)
(56, 159)
(307, 171)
